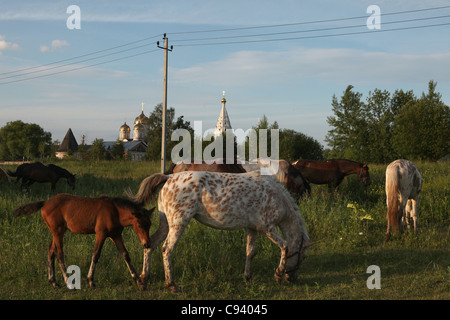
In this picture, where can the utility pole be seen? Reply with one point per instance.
(163, 140)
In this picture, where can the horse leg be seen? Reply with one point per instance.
(175, 232)
(251, 237)
(155, 240)
(275, 237)
(118, 241)
(51, 264)
(414, 205)
(99, 241)
(58, 243)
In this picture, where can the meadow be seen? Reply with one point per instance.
(348, 228)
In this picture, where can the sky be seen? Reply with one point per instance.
(278, 64)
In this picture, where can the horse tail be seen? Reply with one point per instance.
(392, 190)
(28, 209)
(148, 188)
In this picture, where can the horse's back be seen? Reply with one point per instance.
(221, 200)
(80, 214)
(405, 176)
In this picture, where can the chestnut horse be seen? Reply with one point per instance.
(37, 172)
(104, 216)
(403, 185)
(332, 172)
(285, 173)
(217, 166)
(225, 201)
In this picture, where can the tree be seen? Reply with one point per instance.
(118, 150)
(154, 133)
(19, 139)
(296, 145)
(422, 127)
(348, 136)
(97, 150)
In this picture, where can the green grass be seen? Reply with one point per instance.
(209, 263)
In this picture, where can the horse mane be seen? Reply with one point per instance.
(126, 203)
(292, 207)
(59, 170)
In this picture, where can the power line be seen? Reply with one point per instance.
(314, 36)
(79, 68)
(84, 55)
(69, 64)
(304, 31)
(307, 22)
(21, 73)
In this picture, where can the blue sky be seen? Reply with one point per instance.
(291, 81)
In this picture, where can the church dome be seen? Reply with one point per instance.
(125, 127)
(141, 119)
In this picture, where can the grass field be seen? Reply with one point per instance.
(349, 229)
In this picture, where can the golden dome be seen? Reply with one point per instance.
(125, 127)
(142, 119)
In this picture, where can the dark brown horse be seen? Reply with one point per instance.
(332, 172)
(104, 216)
(37, 172)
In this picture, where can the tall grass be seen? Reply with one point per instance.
(348, 228)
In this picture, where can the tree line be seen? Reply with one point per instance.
(384, 127)
(388, 126)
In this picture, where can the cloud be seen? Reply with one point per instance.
(5, 45)
(343, 66)
(56, 44)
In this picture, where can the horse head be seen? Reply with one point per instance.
(71, 181)
(142, 225)
(364, 174)
(294, 260)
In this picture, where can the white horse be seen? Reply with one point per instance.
(403, 185)
(228, 201)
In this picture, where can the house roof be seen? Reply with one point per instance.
(128, 145)
(69, 142)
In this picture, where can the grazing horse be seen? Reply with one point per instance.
(37, 172)
(104, 216)
(403, 185)
(227, 201)
(332, 172)
(216, 166)
(285, 173)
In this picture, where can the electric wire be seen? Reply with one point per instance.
(304, 31)
(185, 42)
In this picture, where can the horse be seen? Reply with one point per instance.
(332, 171)
(38, 172)
(104, 216)
(285, 173)
(403, 185)
(220, 165)
(225, 201)
(4, 175)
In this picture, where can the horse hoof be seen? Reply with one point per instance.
(91, 284)
(173, 289)
(278, 277)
